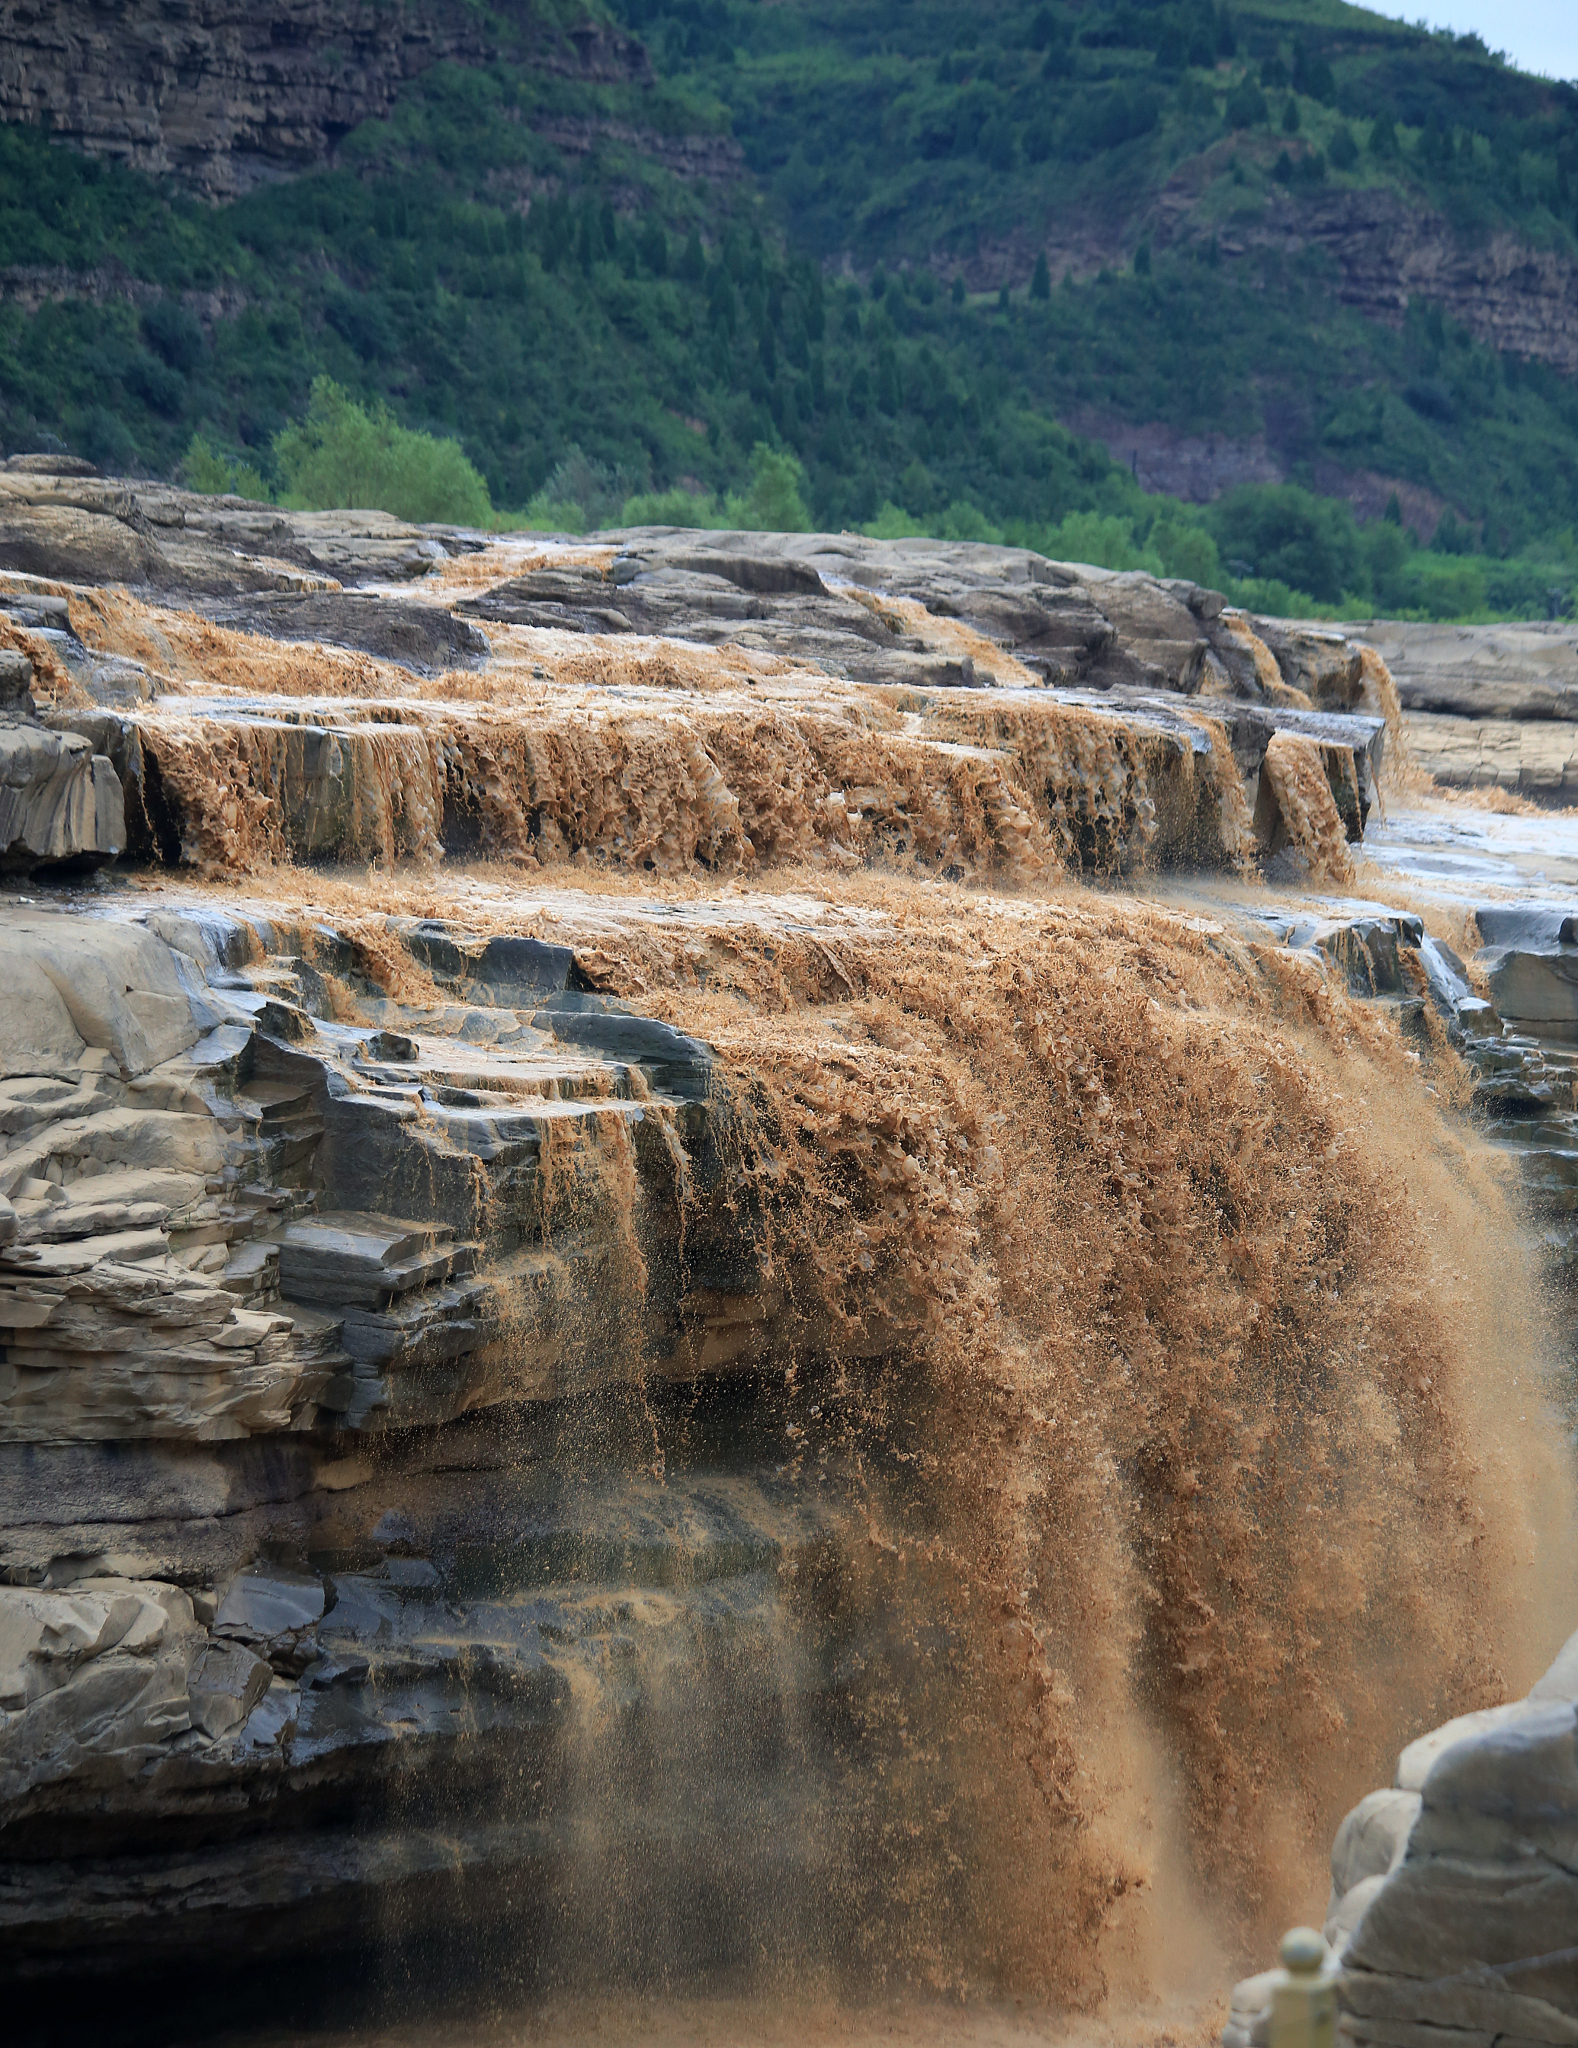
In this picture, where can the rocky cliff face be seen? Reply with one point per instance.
(591, 1217)
(1515, 298)
(1489, 707)
(225, 96)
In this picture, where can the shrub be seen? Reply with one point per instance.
(1287, 535)
(204, 469)
(674, 507)
(893, 523)
(774, 503)
(1101, 539)
(964, 521)
(341, 454)
(1187, 550)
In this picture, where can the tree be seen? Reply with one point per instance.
(775, 502)
(342, 454)
(1041, 280)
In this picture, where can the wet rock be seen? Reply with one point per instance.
(1530, 961)
(60, 802)
(226, 1683)
(425, 638)
(266, 1601)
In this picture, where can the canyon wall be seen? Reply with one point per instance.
(225, 96)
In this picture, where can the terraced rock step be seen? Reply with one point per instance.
(664, 701)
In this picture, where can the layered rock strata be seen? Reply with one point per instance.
(320, 1580)
(61, 803)
(245, 1243)
(336, 686)
(1488, 707)
(227, 96)
(391, 1322)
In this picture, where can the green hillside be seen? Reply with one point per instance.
(952, 228)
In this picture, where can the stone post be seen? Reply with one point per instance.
(1304, 1996)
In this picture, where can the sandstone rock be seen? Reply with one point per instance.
(1417, 1761)
(1249, 2011)
(92, 1682)
(1455, 1896)
(1561, 1681)
(1534, 986)
(227, 97)
(1372, 1839)
(114, 987)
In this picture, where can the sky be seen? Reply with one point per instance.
(1538, 35)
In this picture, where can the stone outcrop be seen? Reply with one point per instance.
(227, 96)
(420, 1504)
(789, 697)
(243, 1241)
(1512, 297)
(1488, 707)
(299, 1283)
(1453, 1895)
(61, 805)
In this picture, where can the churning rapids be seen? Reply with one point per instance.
(793, 1304)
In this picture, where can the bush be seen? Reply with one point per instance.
(1102, 539)
(670, 508)
(894, 523)
(204, 469)
(1283, 534)
(964, 521)
(774, 503)
(344, 455)
(1187, 550)
(582, 495)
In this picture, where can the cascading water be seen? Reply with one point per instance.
(920, 1436)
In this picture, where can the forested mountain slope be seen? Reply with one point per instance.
(938, 253)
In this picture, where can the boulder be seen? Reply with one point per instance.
(60, 803)
(267, 1600)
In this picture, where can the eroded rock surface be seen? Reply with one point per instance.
(61, 804)
(337, 686)
(227, 96)
(414, 1394)
(1488, 707)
